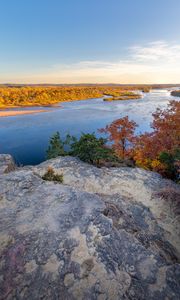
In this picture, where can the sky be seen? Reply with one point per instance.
(90, 41)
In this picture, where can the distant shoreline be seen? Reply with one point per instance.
(12, 113)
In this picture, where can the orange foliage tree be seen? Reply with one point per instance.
(121, 134)
(164, 139)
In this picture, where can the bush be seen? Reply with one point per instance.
(51, 176)
(171, 162)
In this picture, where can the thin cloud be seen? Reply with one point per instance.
(140, 59)
(156, 62)
(159, 50)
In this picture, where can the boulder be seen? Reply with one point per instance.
(91, 237)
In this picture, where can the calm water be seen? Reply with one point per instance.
(26, 137)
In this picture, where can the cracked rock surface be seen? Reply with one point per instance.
(99, 235)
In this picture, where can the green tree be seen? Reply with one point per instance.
(91, 149)
(56, 147)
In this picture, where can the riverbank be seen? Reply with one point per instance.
(10, 113)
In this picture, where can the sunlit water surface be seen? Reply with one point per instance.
(26, 137)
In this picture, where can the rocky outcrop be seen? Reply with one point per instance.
(96, 236)
(139, 185)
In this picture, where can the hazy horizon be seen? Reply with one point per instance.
(87, 83)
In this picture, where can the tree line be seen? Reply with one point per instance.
(42, 95)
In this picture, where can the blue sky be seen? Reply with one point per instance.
(122, 41)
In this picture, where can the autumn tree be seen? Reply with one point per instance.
(166, 125)
(165, 138)
(121, 134)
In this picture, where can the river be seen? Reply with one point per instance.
(26, 136)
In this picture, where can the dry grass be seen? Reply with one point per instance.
(50, 175)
